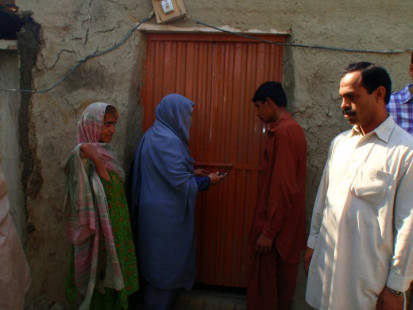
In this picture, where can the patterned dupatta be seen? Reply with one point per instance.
(89, 130)
(87, 208)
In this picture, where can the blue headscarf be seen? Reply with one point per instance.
(163, 197)
(175, 112)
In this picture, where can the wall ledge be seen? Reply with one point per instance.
(150, 27)
(8, 45)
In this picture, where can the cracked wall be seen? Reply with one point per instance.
(73, 29)
(28, 45)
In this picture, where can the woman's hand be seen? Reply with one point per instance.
(215, 177)
(91, 152)
(200, 172)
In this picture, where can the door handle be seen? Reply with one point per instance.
(218, 165)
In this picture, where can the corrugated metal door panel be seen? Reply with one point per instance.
(220, 74)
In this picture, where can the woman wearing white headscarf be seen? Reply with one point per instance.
(103, 270)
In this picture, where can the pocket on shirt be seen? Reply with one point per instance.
(371, 185)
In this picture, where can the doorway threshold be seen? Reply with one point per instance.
(211, 297)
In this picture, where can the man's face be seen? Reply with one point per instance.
(358, 106)
(108, 129)
(266, 111)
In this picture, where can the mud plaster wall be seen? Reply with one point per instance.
(70, 30)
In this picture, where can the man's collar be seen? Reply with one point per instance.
(273, 125)
(383, 131)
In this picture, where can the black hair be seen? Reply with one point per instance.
(272, 90)
(372, 76)
(110, 109)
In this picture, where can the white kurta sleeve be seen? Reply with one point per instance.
(319, 203)
(401, 268)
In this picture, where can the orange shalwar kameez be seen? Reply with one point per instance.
(279, 215)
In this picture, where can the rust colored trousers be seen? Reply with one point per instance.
(271, 282)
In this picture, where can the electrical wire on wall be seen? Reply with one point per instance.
(115, 46)
(81, 62)
(340, 49)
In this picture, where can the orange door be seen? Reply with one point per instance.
(220, 74)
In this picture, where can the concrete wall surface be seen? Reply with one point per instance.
(71, 30)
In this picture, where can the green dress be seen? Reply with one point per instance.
(119, 218)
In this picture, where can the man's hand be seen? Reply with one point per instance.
(264, 244)
(389, 301)
(307, 259)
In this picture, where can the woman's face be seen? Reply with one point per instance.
(108, 130)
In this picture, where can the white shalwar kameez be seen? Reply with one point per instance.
(362, 225)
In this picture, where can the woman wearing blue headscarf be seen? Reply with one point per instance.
(164, 188)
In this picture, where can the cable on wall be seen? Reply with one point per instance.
(341, 49)
(115, 46)
(81, 62)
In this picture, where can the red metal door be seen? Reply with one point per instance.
(220, 74)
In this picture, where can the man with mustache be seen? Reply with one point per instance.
(359, 251)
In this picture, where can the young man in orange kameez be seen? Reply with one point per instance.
(278, 233)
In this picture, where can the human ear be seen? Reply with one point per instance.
(269, 101)
(381, 92)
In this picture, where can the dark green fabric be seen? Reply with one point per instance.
(108, 301)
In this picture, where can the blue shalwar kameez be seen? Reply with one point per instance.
(163, 197)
